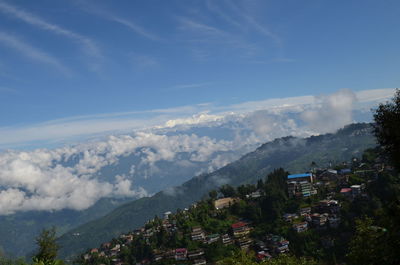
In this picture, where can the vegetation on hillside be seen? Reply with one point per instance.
(293, 154)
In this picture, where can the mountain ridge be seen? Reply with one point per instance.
(294, 154)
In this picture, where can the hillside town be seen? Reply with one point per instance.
(317, 198)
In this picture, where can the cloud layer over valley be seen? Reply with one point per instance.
(174, 145)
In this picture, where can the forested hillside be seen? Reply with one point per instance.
(291, 153)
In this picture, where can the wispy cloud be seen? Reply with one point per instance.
(253, 23)
(224, 40)
(107, 15)
(32, 52)
(191, 86)
(189, 24)
(142, 61)
(213, 7)
(133, 26)
(239, 22)
(88, 126)
(86, 43)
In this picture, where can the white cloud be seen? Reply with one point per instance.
(195, 119)
(32, 53)
(135, 27)
(87, 44)
(331, 112)
(273, 111)
(46, 179)
(43, 179)
(107, 15)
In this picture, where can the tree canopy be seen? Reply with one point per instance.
(387, 127)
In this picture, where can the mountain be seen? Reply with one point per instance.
(18, 231)
(134, 166)
(291, 153)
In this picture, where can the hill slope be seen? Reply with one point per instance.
(292, 153)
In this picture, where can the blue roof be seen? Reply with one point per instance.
(299, 175)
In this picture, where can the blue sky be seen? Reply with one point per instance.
(79, 59)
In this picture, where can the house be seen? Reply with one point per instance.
(301, 177)
(355, 190)
(244, 243)
(195, 254)
(345, 171)
(181, 253)
(166, 215)
(127, 238)
(300, 227)
(262, 255)
(289, 217)
(277, 243)
(158, 256)
(169, 254)
(200, 262)
(304, 211)
(240, 229)
(224, 202)
(328, 206)
(197, 234)
(106, 245)
(117, 248)
(226, 240)
(346, 192)
(300, 185)
(328, 175)
(212, 238)
(319, 220)
(254, 195)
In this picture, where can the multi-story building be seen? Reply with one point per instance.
(300, 185)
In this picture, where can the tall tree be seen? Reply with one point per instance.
(387, 128)
(48, 247)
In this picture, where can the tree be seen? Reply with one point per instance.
(213, 194)
(243, 258)
(48, 248)
(387, 128)
(227, 191)
(368, 245)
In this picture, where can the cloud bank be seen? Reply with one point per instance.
(209, 137)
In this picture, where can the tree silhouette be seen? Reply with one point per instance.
(387, 128)
(48, 247)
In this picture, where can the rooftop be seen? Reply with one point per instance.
(302, 175)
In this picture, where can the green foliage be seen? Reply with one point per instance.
(47, 252)
(6, 261)
(290, 153)
(243, 258)
(239, 258)
(387, 127)
(227, 190)
(368, 245)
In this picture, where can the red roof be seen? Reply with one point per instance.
(238, 225)
(344, 190)
(180, 250)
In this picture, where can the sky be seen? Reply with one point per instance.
(93, 63)
(97, 81)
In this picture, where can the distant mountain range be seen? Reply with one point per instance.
(294, 154)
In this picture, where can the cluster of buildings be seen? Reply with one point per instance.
(326, 212)
(271, 246)
(320, 215)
